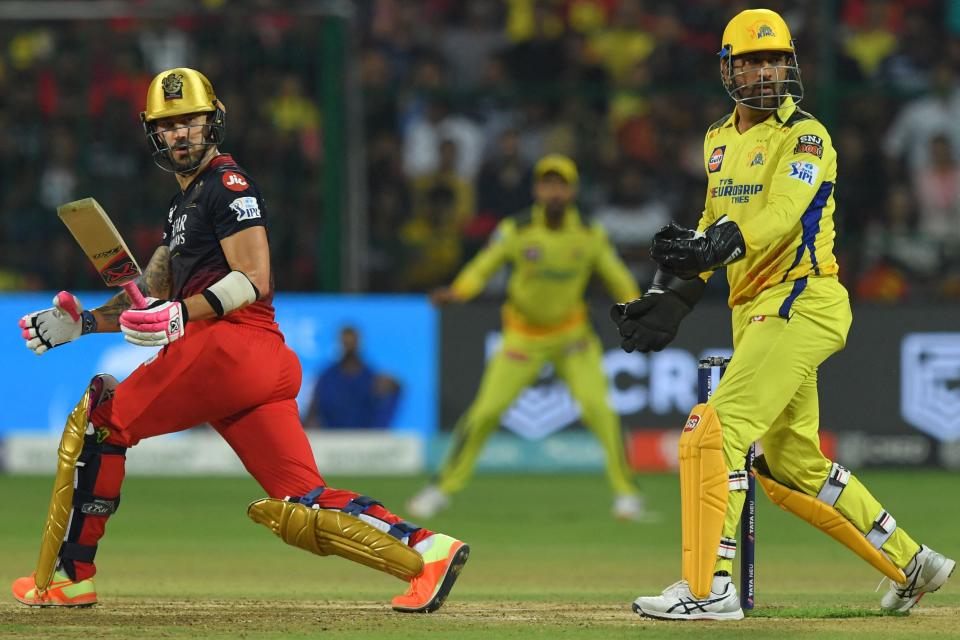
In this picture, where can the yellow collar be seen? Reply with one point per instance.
(571, 216)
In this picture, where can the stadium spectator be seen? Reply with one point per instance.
(924, 118)
(350, 394)
(937, 187)
(504, 184)
(432, 246)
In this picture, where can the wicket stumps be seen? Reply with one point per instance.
(709, 372)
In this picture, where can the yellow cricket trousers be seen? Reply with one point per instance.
(769, 394)
(577, 356)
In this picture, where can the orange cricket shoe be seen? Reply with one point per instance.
(62, 592)
(442, 563)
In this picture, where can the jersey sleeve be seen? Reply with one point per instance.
(804, 165)
(235, 204)
(474, 276)
(616, 277)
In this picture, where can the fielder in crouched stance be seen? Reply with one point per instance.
(768, 219)
(223, 362)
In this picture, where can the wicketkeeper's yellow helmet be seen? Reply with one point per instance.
(760, 30)
(178, 92)
(756, 30)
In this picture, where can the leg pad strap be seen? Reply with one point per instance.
(826, 518)
(79, 552)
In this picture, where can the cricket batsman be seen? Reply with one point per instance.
(553, 252)
(209, 291)
(768, 219)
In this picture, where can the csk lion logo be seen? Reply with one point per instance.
(761, 30)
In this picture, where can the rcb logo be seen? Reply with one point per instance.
(172, 86)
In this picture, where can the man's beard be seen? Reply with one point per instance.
(188, 163)
(752, 96)
(555, 208)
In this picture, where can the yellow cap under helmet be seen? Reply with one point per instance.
(756, 30)
(177, 92)
(559, 164)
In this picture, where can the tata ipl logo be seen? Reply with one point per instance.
(930, 383)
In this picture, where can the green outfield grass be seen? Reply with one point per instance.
(181, 560)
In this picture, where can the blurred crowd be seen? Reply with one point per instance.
(459, 99)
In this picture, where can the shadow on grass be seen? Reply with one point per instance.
(822, 613)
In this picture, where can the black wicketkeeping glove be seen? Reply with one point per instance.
(651, 323)
(688, 253)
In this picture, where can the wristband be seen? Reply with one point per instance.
(231, 292)
(88, 323)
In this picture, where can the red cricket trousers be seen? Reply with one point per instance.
(244, 381)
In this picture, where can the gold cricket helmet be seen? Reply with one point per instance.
(756, 30)
(178, 92)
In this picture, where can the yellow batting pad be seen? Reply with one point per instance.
(325, 532)
(61, 501)
(704, 490)
(827, 519)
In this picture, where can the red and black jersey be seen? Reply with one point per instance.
(220, 201)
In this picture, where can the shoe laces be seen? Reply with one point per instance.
(676, 586)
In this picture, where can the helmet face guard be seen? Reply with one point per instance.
(162, 153)
(760, 31)
(764, 94)
(182, 92)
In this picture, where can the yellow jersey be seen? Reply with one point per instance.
(776, 181)
(551, 270)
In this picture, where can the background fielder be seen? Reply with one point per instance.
(553, 253)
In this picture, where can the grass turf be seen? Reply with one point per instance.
(181, 560)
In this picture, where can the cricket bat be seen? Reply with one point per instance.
(100, 240)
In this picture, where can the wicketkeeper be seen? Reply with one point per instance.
(223, 362)
(768, 219)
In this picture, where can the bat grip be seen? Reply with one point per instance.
(133, 292)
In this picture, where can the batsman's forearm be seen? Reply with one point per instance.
(107, 315)
(198, 308)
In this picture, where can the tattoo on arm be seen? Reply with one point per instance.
(154, 282)
(156, 279)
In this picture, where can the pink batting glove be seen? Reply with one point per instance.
(159, 324)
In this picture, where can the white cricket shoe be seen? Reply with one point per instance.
(629, 506)
(428, 502)
(926, 572)
(678, 603)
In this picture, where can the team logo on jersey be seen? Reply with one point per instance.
(930, 383)
(246, 208)
(811, 144)
(716, 159)
(234, 181)
(804, 172)
(756, 156)
(172, 86)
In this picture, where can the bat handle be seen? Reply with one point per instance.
(133, 292)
